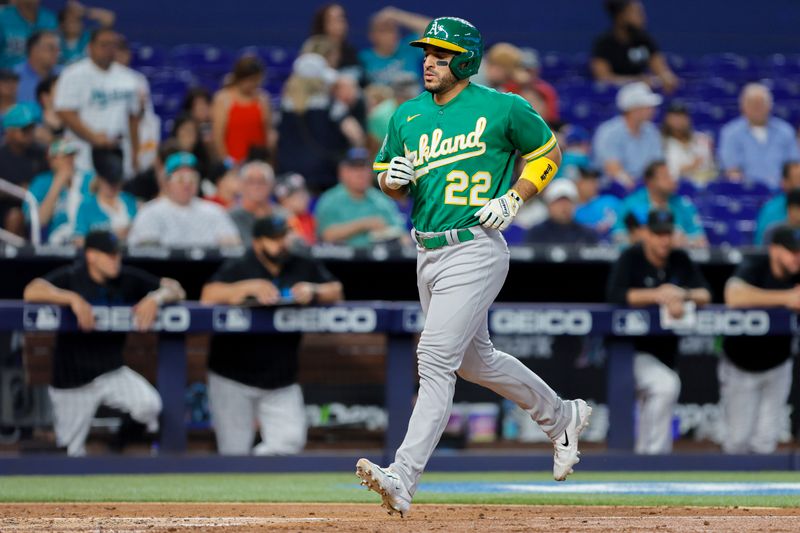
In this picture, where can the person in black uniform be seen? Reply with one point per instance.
(626, 52)
(755, 374)
(88, 369)
(653, 273)
(253, 377)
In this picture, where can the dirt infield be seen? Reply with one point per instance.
(179, 517)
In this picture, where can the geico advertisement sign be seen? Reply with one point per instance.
(728, 322)
(541, 321)
(121, 319)
(331, 319)
(171, 319)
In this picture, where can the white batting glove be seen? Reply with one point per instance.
(499, 212)
(401, 172)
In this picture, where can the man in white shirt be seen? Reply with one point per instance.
(180, 219)
(97, 100)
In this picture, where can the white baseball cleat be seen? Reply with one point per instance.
(566, 454)
(387, 484)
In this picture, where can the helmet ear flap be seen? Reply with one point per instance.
(463, 67)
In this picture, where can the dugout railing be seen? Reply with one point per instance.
(400, 321)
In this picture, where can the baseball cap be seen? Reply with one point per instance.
(179, 160)
(787, 237)
(289, 184)
(314, 66)
(107, 164)
(577, 134)
(62, 147)
(19, 116)
(588, 171)
(635, 95)
(8, 75)
(103, 241)
(270, 227)
(660, 221)
(356, 157)
(561, 188)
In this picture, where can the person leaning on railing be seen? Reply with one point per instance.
(253, 377)
(755, 374)
(88, 369)
(654, 273)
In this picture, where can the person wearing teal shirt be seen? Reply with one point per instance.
(774, 210)
(659, 193)
(354, 212)
(73, 50)
(17, 23)
(107, 208)
(74, 34)
(59, 192)
(389, 58)
(595, 210)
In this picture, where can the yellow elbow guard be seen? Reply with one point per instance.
(540, 172)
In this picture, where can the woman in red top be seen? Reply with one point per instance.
(241, 114)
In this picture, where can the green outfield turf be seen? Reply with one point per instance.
(344, 488)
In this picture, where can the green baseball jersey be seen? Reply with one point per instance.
(463, 151)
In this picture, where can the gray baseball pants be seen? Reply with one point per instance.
(457, 284)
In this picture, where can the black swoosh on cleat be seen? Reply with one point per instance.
(566, 439)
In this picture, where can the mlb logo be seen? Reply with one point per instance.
(232, 319)
(630, 323)
(41, 317)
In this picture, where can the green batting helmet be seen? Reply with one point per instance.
(459, 36)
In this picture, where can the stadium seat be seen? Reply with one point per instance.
(147, 56)
(686, 188)
(202, 58)
(171, 87)
(614, 189)
(274, 57)
(730, 66)
(723, 187)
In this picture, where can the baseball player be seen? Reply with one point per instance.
(452, 149)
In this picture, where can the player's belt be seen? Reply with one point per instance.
(439, 241)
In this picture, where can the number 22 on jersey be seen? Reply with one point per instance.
(455, 193)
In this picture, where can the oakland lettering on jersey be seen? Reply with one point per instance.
(432, 147)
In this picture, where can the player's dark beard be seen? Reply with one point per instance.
(445, 84)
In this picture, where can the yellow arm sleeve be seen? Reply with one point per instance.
(540, 172)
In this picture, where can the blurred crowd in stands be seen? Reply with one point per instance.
(90, 125)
